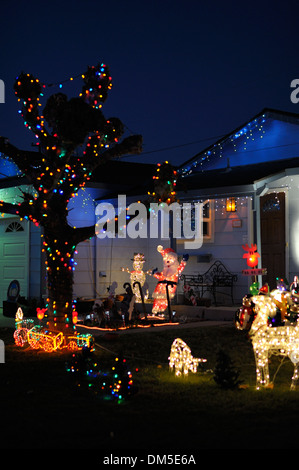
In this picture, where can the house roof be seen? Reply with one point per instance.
(234, 176)
(195, 163)
(114, 174)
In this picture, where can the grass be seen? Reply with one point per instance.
(41, 408)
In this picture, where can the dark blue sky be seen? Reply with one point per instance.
(183, 70)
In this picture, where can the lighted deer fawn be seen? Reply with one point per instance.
(181, 358)
(267, 341)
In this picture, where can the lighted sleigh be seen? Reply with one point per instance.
(38, 336)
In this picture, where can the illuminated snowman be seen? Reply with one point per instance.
(138, 275)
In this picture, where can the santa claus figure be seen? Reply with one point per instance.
(171, 271)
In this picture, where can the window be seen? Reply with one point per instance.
(208, 221)
(14, 227)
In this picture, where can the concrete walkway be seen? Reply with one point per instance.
(194, 317)
(175, 327)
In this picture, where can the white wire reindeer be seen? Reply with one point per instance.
(267, 341)
(181, 358)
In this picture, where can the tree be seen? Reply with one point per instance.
(225, 373)
(56, 172)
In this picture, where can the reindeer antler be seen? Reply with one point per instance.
(248, 248)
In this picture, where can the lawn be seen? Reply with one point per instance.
(42, 408)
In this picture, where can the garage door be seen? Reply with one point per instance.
(14, 255)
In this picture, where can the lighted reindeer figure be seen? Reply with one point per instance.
(267, 340)
(181, 358)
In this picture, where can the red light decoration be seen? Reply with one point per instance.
(252, 255)
(40, 312)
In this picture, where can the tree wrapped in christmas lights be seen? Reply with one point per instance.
(164, 184)
(57, 173)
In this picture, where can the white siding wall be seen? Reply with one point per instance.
(115, 253)
(226, 246)
(81, 214)
(84, 274)
(100, 260)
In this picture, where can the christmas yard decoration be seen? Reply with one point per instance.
(168, 278)
(252, 256)
(190, 295)
(138, 275)
(252, 259)
(181, 359)
(22, 326)
(245, 315)
(267, 340)
(41, 337)
(57, 172)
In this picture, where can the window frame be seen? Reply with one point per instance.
(210, 221)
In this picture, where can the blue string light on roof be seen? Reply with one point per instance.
(239, 140)
(7, 167)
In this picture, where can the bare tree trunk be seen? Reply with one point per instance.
(60, 245)
(60, 290)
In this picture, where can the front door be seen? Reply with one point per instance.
(272, 215)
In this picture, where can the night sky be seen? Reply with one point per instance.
(184, 72)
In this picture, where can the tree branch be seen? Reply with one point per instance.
(9, 208)
(22, 158)
(82, 233)
(129, 146)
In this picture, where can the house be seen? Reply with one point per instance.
(256, 164)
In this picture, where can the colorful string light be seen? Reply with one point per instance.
(57, 172)
(112, 383)
(164, 183)
(237, 141)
